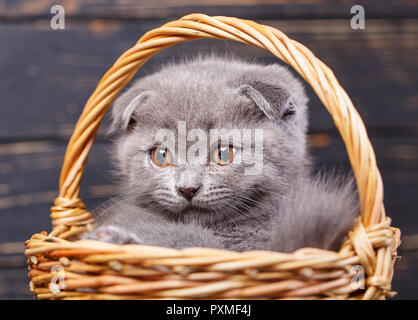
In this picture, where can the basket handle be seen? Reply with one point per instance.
(69, 210)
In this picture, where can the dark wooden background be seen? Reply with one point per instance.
(47, 75)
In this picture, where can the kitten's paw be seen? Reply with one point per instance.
(112, 234)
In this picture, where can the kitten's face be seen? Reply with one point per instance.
(223, 181)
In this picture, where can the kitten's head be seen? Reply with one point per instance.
(201, 175)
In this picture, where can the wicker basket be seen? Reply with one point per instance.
(60, 268)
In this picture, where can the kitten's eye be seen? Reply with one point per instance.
(223, 155)
(161, 157)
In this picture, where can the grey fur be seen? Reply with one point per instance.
(283, 208)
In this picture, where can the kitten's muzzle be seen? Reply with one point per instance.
(188, 192)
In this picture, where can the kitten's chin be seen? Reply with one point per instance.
(195, 209)
(188, 209)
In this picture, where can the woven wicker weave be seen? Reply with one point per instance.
(94, 270)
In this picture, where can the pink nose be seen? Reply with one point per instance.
(188, 192)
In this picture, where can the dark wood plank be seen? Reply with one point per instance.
(254, 9)
(29, 184)
(404, 279)
(14, 284)
(48, 75)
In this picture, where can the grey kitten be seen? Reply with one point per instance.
(215, 204)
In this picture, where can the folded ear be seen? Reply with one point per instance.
(273, 99)
(124, 110)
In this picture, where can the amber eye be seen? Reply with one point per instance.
(223, 155)
(161, 157)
